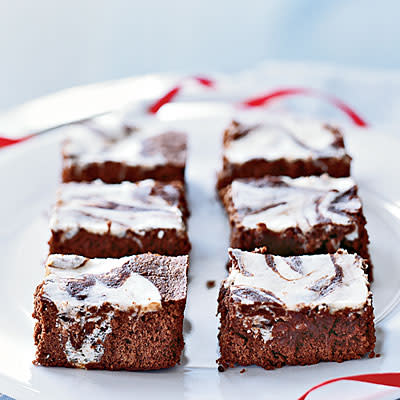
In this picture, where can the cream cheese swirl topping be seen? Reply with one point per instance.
(335, 280)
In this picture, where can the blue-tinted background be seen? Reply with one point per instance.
(48, 45)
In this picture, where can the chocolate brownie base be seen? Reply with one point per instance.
(111, 313)
(300, 338)
(334, 167)
(151, 341)
(113, 172)
(167, 242)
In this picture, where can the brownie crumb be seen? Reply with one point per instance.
(221, 368)
(243, 370)
(210, 284)
(187, 326)
(261, 250)
(377, 355)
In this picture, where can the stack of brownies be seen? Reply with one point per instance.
(115, 288)
(299, 267)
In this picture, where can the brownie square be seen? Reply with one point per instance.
(113, 150)
(306, 215)
(111, 314)
(105, 220)
(299, 310)
(282, 146)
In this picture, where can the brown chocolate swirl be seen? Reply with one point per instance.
(119, 209)
(282, 203)
(322, 280)
(255, 295)
(325, 285)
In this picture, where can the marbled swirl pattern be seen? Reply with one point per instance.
(117, 209)
(282, 138)
(302, 203)
(333, 280)
(110, 138)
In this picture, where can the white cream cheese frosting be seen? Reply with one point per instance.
(282, 202)
(336, 281)
(283, 138)
(73, 281)
(109, 139)
(116, 208)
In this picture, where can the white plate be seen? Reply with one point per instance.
(29, 175)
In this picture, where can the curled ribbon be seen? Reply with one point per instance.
(171, 94)
(259, 101)
(276, 94)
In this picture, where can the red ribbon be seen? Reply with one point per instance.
(170, 95)
(387, 379)
(259, 101)
(276, 94)
(167, 98)
(4, 142)
(263, 100)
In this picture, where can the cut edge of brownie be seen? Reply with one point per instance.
(113, 172)
(156, 342)
(341, 338)
(168, 242)
(258, 168)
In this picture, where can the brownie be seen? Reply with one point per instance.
(111, 314)
(282, 146)
(111, 149)
(298, 310)
(115, 220)
(306, 215)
